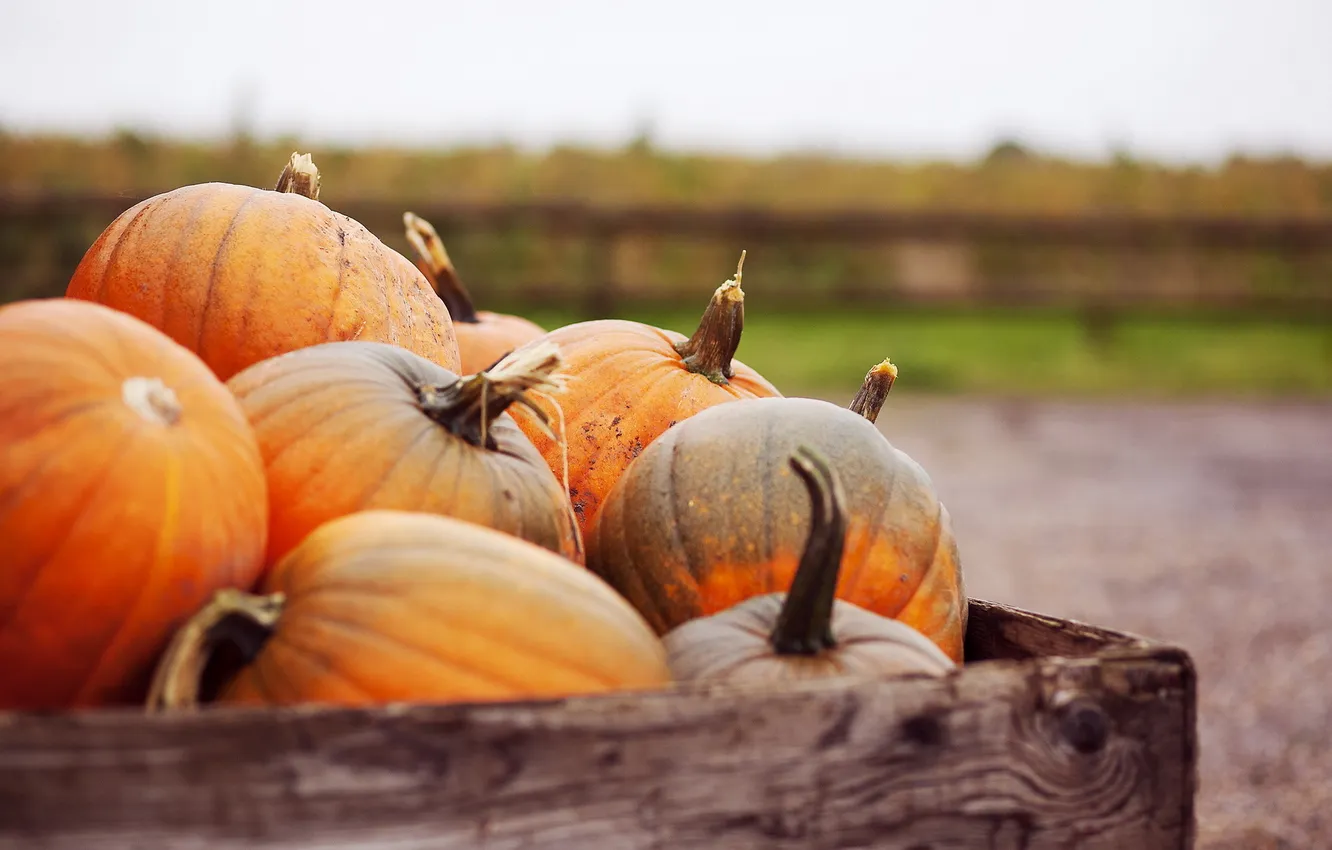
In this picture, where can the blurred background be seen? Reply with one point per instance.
(1095, 238)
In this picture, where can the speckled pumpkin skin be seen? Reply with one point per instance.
(626, 385)
(238, 275)
(711, 515)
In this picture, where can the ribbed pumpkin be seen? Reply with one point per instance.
(131, 489)
(238, 275)
(805, 633)
(629, 382)
(350, 426)
(710, 515)
(483, 336)
(391, 606)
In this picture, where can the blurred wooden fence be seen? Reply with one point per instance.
(602, 259)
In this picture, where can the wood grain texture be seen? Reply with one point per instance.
(1091, 752)
(997, 631)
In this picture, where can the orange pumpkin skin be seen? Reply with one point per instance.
(805, 633)
(490, 336)
(483, 336)
(385, 606)
(342, 428)
(710, 515)
(238, 275)
(627, 385)
(124, 503)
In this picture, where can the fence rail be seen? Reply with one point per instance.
(1303, 241)
(1287, 233)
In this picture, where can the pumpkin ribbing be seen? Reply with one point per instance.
(389, 606)
(238, 274)
(806, 632)
(351, 426)
(131, 488)
(629, 382)
(702, 520)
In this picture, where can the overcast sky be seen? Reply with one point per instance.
(1174, 79)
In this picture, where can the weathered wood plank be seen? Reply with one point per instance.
(997, 631)
(1085, 752)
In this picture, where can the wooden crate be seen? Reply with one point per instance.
(1054, 735)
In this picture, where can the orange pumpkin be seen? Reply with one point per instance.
(131, 488)
(483, 336)
(350, 426)
(238, 275)
(705, 518)
(629, 382)
(805, 633)
(392, 606)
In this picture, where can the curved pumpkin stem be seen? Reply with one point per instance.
(241, 619)
(299, 177)
(804, 626)
(468, 405)
(434, 263)
(878, 383)
(711, 349)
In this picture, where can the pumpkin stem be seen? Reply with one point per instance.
(151, 399)
(712, 347)
(244, 620)
(434, 263)
(878, 382)
(299, 177)
(804, 626)
(468, 405)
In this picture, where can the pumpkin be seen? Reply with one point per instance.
(350, 426)
(807, 632)
(238, 275)
(391, 606)
(707, 517)
(131, 488)
(629, 382)
(483, 336)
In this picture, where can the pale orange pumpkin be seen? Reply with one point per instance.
(394, 606)
(238, 275)
(131, 489)
(352, 426)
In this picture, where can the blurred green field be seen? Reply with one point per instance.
(825, 351)
(1026, 354)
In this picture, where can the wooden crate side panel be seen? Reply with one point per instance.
(1054, 754)
(997, 631)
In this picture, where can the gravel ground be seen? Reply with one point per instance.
(1206, 525)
